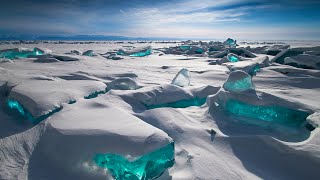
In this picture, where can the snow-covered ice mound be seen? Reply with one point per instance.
(40, 98)
(73, 140)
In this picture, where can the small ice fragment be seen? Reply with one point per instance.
(123, 84)
(89, 53)
(233, 57)
(230, 43)
(238, 81)
(182, 78)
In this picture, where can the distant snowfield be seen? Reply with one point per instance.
(83, 112)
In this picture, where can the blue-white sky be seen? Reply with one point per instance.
(211, 19)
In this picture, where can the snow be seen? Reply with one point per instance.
(129, 108)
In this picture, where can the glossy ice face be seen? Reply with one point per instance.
(15, 54)
(182, 79)
(149, 166)
(230, 42)
(274, 114)
(239, 85)
(233, 58)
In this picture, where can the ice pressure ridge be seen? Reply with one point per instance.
(16, 108)
(149, 166)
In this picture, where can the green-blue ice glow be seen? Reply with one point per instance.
(254, 70)
(16, 107)
(120, 52)
(199, 51)
(230, 42)
(180, 104)
(185, 47)
(149, 166)
(20, 54)
(141, 54)
(13, 104)
(233, 59)
(239, 85)
(274, 114)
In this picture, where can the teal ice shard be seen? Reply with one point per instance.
(149, 166)
(125, 83)
(17, 53)
(182, 79)
(185, 47)
(89, 53)
(238, 81)
(233, 57)
(230, 43)
(140, 52)
(274, 114)
(136, 52)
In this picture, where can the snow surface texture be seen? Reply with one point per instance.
(227, 120)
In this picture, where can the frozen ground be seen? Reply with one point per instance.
(79, 111)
